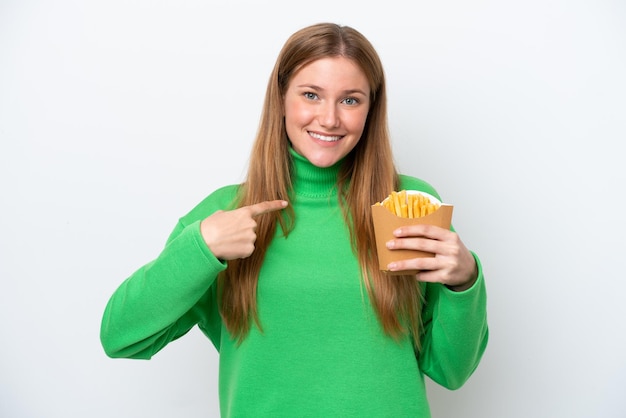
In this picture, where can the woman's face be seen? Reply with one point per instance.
(326, 105)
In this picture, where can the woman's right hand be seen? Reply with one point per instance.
(232, 234)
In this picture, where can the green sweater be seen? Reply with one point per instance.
(322, 352)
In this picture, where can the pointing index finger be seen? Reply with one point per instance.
(267, 206)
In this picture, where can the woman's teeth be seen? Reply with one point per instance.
(325, 138)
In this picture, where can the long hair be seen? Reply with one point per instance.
(367, 175)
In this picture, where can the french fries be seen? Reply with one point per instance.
(409, 205)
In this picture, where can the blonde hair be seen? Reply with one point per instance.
(367, 175)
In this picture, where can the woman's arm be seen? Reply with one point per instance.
(164, 299)
(455, 331)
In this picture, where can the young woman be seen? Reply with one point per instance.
(281, 272)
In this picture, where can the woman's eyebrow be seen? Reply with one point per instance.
(318, 88)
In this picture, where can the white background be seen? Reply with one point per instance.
(117, 117)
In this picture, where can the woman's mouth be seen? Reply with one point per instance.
(326, 138)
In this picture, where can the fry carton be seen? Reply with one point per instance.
(386, 220)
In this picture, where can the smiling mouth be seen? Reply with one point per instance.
(326, 138)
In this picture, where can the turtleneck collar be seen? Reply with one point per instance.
(310, 180)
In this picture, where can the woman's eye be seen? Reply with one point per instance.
(310, 96)
(350, 101)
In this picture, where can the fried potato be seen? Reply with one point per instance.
(407, 204)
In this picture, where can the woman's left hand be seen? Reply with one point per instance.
(452, 265)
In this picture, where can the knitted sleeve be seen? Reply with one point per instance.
(455, 332)
(165, 298)
(162, 300)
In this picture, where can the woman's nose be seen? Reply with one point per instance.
(329, 117)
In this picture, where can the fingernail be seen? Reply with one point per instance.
(392, 266)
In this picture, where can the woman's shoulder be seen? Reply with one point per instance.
(413, 183)
(223, 198)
